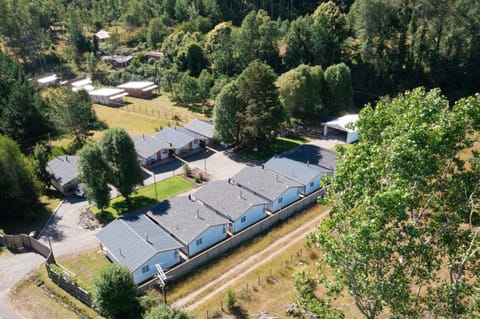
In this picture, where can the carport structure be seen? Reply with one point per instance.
(342, 125)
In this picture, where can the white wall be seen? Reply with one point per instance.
(209, 237)
(166, 259)
(316, 185)
(352, 137)
(288, 197)
(253, 215)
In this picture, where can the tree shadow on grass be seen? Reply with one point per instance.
(239, 312)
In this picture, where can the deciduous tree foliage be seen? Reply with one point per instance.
(119, 151)
(227, 115)
(166, 312)
(338, 84)
(94, 175)
(302, 92)
(115, 293)
(40, 161)
(402, 237)
(18, 189)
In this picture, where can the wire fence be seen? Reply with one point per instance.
(161, 114)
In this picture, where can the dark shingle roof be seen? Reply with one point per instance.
(228, 199)
(63, 168)
(264, 182)
(314, 155)
(148, 145)
(204, 128)
(171, 135)
(134, 239)
(178, 215)
(295, 170)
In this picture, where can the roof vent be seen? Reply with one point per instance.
(198, 214)
(241, 195)
(146, 238)
(120, 249)
(66, 158)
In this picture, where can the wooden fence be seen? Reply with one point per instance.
(234, 241)
(23, 243)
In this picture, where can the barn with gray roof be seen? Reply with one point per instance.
(63, 171)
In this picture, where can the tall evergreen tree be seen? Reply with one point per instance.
(260, 104)
(18, 187)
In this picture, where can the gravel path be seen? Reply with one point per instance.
(250, 264)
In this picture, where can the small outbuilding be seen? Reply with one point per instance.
(278, 190)
(108, 96)
(151, 150)
(138, 243)
(153, 56)
(143, 89)
(183, 143)
(102, 35)
(203, 128)
(308, 175)
(343, 126)
(63, 172)
(118, 61)
(81, 84)
(240, 206)
(47, 81)
(191, 223)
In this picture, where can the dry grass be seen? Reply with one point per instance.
(220, 266)
(32, 302)
(86, 266)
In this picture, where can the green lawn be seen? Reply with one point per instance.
(281, 144)
(85, 266)
(143, 197)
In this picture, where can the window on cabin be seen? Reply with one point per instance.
(243, 219)
(280, 200)
(145, 269)
(195, 141)
(311, 184)
(199, 242)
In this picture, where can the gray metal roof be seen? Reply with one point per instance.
(295, 170)
(63, 168)
(184, 218)
(177, 138)
(146, 146)
(228, 199)
(134, 239)
(264, 182)
(190, 133)
(314, 155)
(204, 128)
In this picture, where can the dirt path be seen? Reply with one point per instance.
(250, 264)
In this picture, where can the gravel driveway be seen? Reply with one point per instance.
(67, 237)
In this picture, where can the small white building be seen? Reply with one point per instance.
(108, 96)
(102, 35)
(47, 81)
(342, 125)
(143, 89)
(82, 84)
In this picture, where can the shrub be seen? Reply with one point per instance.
(231, 300)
